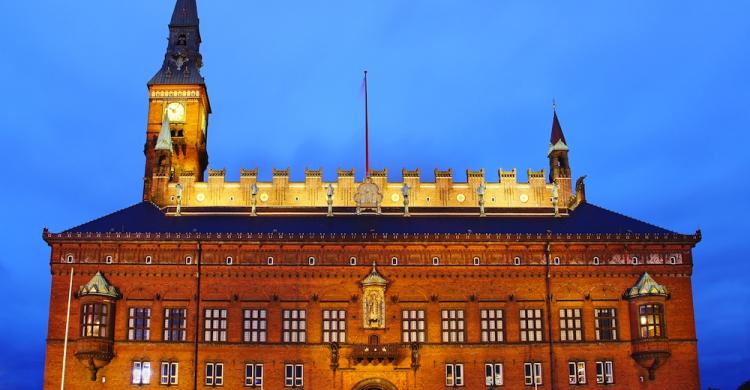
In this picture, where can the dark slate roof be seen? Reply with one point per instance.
(185, 13)
(182, 61)
(147, 217)
(557, 133)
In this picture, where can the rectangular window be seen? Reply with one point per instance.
(493, 374)
(577, 373)
(169, 372)
(412, 326)
(139, 324)
(571, 325)
(492, 325)
(294, 326)
(651, 321)
(94, 318)
(454, 374)
(531, 325)
(141, 373)
(215, 325)
(254, 326)
(214, 374)
(254, 375)
(606, 324)
(532, 373)
(293, 375)
(334, 326)
(453, 326)
(605, 373)
(175, 324)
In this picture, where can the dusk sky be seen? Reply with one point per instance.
(653, 97)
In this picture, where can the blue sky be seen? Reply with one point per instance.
(653, 98)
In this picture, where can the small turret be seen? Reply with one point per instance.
(559, 166)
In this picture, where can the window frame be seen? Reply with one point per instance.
(657, 319)
(605, 323)
(95, 319)
(215, 327)
(453, 326)
(216, 376)
(454, 374)
(531, 372)
(295, 377)
(256, 379)
(491, 376)
(605, 372)
(409, 335)
(260, 331)
(171, 377)
(576, 372)
(571, 324)
(143, 366)
(537, 330)
(294, 327)
(333, 330)
(170, 328)
(136, 332)
(492, 326)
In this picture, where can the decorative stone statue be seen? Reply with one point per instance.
(334, 355)
(373, 302)
(414, 355)
(368, 196)
(555, 197)
(405, 193)
(480, 193)
(254, 195)
(178, 195)
(329, 197)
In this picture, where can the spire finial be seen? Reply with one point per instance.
(554, 105)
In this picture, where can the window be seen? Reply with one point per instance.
(352, 260)
(516, 260)
(492, 325)
(70, 258)
(108, 260)
(293, 375)
(254, 375)
(412, 326)
(605, 373)
(148, 260)
(94, 320)
(294, 326)
(139, 324)
(215, 325)
(435, 261)
(577, 373)
(454, 374)
(651, 321)
(334, 326)
(493, 374)
(175, 323)
(394, 260)
(531, 325)
(596, 260)
(214, 374)
(169, 373)
(635, 260)
(571, 325)
(453, 326)
(532, 374)
(556, 261)
(229, 260)
(254, 326)
(269, 260)
(477, 260)
(310, 260)
(141, 373)
(188, 260)
(606, 324)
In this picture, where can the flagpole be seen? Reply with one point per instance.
(367, 134)
(67, 328)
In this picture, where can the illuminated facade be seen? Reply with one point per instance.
(360, 285)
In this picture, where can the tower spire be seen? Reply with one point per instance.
(164, 142)
(183, 60)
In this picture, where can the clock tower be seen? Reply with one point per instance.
(178, 101)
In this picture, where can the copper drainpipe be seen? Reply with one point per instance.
(198, 261)
(548, 303)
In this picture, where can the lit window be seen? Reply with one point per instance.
(293, 375)
(254, 326)
(651, 321)
(606, 324)
(254, 375)
(215, 325)
(334, 326)
(139, 324)
(454, 374)
(571, 325)
(453, 326)
(532, 374)
(94, 320)
(141, 373)
(493, 374)
(294, 326)
(605, 373)
(169, 371)
(412, 326)
(577, 373)
(175, 324)
(531, 325)
(214, 374)
(492, 325)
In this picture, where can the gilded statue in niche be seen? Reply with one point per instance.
(373, 302)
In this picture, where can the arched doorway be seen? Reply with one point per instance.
(374, 384)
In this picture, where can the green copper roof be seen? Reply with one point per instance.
(374, 278)
(646, 286)
(98, 285)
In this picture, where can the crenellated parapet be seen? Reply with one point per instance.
(505, 192)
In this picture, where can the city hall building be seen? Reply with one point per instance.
(474, 283)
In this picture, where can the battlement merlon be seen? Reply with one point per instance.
(506, 192)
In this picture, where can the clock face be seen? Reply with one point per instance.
(176, 112)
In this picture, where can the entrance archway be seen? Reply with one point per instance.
(374, 384)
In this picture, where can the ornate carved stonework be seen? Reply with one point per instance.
(368, 196)
(373, 302)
